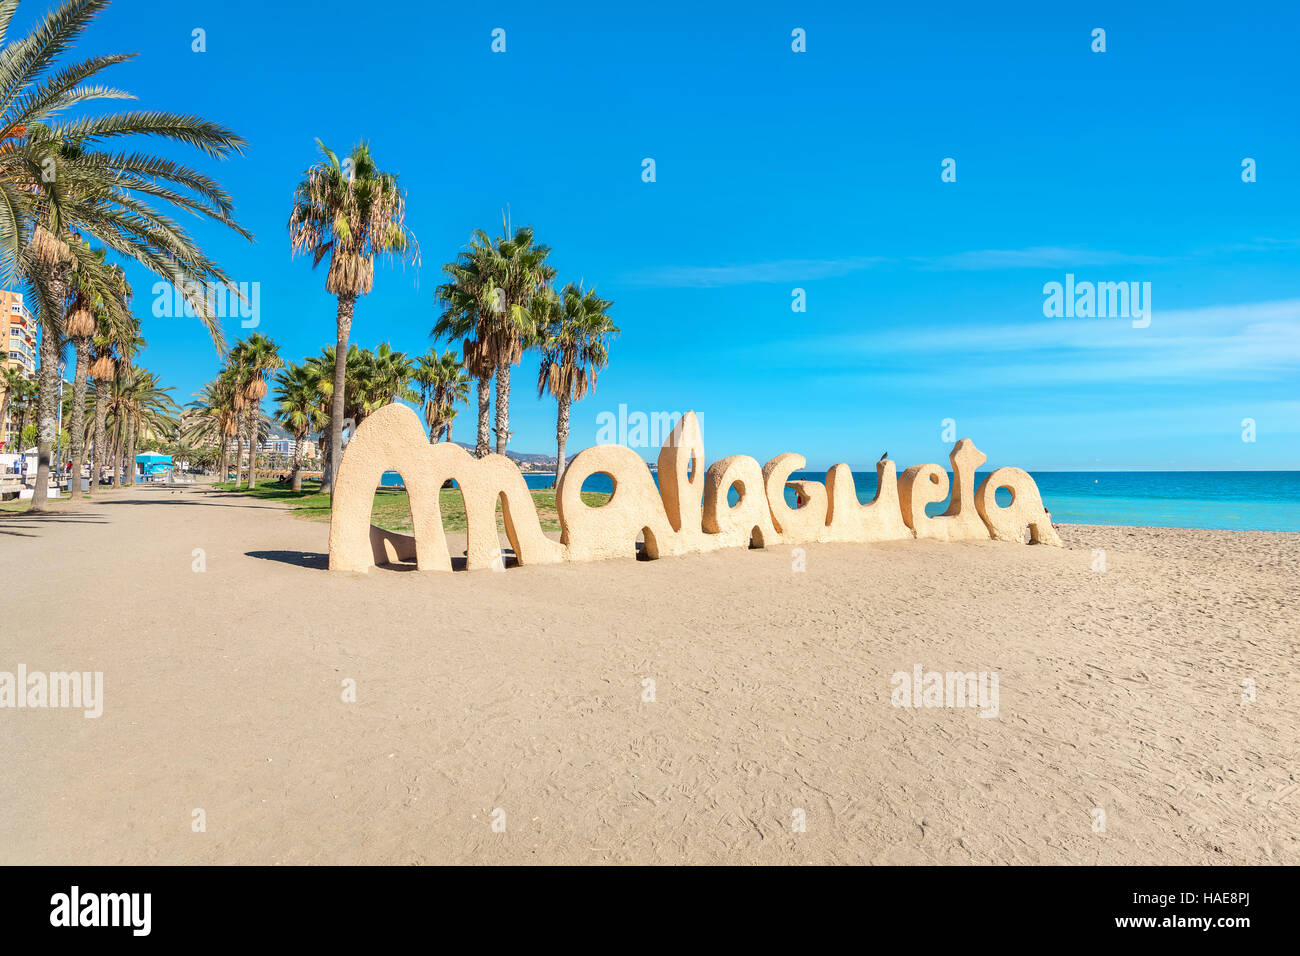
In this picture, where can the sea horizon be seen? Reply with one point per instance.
(1155, 499)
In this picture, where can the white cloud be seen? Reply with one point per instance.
(1215, 343)
(1037, 257)
(783, 270)
(797, 270)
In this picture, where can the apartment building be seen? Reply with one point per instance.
(18, 335)
(281, 445)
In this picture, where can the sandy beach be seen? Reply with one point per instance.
(1120, 691)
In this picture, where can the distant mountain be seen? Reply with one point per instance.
(534, 462)
(531, 461)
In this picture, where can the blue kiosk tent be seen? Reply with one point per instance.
(154, 467)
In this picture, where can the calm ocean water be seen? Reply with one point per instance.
(1238, 500)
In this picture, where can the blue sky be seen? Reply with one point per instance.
(779, 170)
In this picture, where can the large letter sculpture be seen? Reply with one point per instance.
(392, 439)
(927, 484)
(690, 511)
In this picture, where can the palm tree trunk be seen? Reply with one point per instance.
(101, 410)
(297, 464)
(484, 410)
(561, 435)
(22, 427)
(503, 407)
(77, 427)
(253, 411)
(131, 437)
(115, 458)
(347, 304)
(47, 403)
(223, 468)
(326, 454)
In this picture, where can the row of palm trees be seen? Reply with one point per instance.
(120, 412)
(112, 402)
(498, 300)
(67, 198)
(105, 416)
(229, 408)
(570, 328)
(228, 411)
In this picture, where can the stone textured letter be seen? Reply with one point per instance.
(1025, 511)
(750, 521)
(610, 530)
(796, 525)
(391, 438)
(882, 520)
(923, 484)
(681, 475)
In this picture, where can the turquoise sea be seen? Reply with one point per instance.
(1237, 500)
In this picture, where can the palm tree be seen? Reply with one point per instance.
(233, 371)
(98, 296)
(257, 427)
(234, 380)
(521, 272)
(56, 183)
(253, 360)
(468, 300)
(371, 380)
(213, 419)
(119, 332)
(349, 215)
(102, 369)
(487, 302)
(125, 434)
(138, 404)
(444, 384)
(386, 378)
(301, 409)
(22, 398)
(573, 332)
(320, 369)
(11, 380)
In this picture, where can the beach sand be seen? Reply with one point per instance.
(1119, 691)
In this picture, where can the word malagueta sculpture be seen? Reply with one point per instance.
(689, 512)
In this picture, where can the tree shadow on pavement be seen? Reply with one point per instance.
(299, 559)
